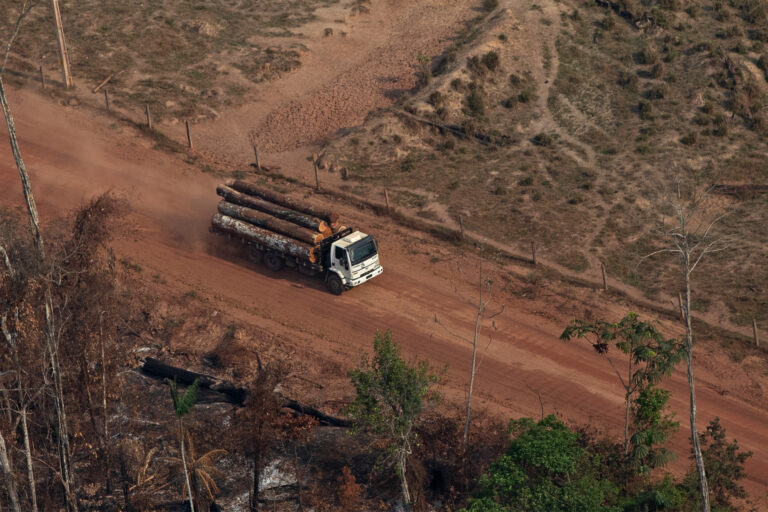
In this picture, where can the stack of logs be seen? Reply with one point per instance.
(273, 220)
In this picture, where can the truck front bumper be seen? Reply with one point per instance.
(366, 277)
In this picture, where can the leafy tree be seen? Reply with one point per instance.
(725, 467)
(544, 470)
(182, 404)
(390, 397)
(650, 356)
(664, 495)
(653, 426)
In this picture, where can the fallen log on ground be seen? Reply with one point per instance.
(270, 223)
(331, 217)
(208, 384)
(270, 239)
(740, 190)
(281, 212)
(323, 418)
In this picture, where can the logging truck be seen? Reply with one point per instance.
(281, 231)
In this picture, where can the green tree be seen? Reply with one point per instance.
(725, 467)
(544, 470)
(182, 404)
(650, 356)
(391, 395)
(653, 426)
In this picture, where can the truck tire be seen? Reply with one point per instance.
(273, 261)
(255, 255)
(334, 284)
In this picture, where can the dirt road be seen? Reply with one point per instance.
(73, 156)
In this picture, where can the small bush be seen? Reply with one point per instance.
(515, 80)
(609, 21)
(490, 5)
(529, 94)
(509, 102)
(475, 103)
(526, 182)
(491, 60)
(657, 70)
(436, 99)
(542, 139)
(649, 55)
(690, 138)
(628, 80)
(500, 190)
(658, 93)
(645, 110)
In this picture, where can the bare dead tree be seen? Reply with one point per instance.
(481, 313)
(62, 434)
(690, 236)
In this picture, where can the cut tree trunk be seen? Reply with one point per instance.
(156, 368)
(281, 212)
(270, 239)
(324, 419)
(251, 189)
(267, 221)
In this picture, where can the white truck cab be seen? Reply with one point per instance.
(354, 259)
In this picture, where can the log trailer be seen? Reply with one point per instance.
(281, 231)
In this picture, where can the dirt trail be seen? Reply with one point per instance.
(340, 80)
(73, 156)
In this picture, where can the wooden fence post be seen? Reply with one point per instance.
(256, 156)
(42, 76)
(189, 135)
(533, 253)
(754, 333)
(317, 180)
(386, 199)
(106, 99)
(605, 282)
(149, 117)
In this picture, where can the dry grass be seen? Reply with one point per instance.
(184, 59)
(592, 130)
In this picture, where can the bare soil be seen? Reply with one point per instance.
(76, 155)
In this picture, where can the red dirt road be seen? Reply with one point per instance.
(73, 156)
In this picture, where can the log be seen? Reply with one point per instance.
(267, 221)
(749, 190)
(104, 82)
(252, 189)
(281, 212)
(324, 419)
(156, 368)
(261, 236)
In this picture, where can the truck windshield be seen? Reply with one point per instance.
(362, 250)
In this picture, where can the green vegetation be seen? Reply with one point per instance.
(391, 394)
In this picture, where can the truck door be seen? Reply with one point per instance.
(340, 260)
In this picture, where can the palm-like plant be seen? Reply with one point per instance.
(203, 471)
(182, 404)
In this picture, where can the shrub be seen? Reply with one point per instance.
(509, 102)
(657, 70)
(645, 110)
(542, 139)
(628, 80)
(658, 93)
(526, 182)
(515, 80)
(690, 138)
(436, 99)
(490, 5)
(475, 103)
(529, 94)
(491, 60)
(649, 55)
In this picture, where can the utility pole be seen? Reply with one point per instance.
(63, 52)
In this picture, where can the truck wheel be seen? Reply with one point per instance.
(273, 261)
(255, 255)
(334, 284)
